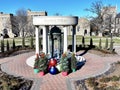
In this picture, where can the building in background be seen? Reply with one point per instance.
(30, 14)
(117, 22)
(83, 27)
(111, 23)
(109, 14)
(6, 28)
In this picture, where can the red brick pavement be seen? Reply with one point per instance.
(94, 65)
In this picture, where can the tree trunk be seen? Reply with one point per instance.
(23, 39)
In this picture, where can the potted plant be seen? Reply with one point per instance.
(73, 62)
(64, 65)
(36, 64)
(41, 64)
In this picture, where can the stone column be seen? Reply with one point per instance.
(65, 39)
(48, 36)
(45, 40)
(74, 40)
(37, 39)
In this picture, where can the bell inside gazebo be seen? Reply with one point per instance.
(55, 42)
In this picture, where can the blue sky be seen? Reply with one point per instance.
(63, 7)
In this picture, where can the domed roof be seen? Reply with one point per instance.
(55, 30)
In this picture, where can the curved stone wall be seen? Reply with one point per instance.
(55, 20)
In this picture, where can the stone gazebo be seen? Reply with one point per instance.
(45, 22)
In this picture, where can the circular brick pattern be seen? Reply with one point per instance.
(95, 65)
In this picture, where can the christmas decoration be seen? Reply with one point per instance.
(53, 70)
(59, 67)
(64, 63)
(68, 62)
(41, 64)
(36, 64)
(52, 66)
(73, 62)
(52, 62)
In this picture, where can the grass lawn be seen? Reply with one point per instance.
(96, 39)
(18, 41)
(116, 40)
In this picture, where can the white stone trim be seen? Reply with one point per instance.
(65, 39)
(37, 39)
(55, 20)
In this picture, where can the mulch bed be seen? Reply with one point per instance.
(98, 83)
(10, 82)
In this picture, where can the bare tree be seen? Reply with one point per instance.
(30, 27)
(21, 23)
(96, 8)
(15, 25)
(21, 19)
(103, 15)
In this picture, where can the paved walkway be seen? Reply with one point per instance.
(95, 65)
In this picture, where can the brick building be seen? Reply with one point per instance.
(109, 13)
(117, 22)
(6, 27)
